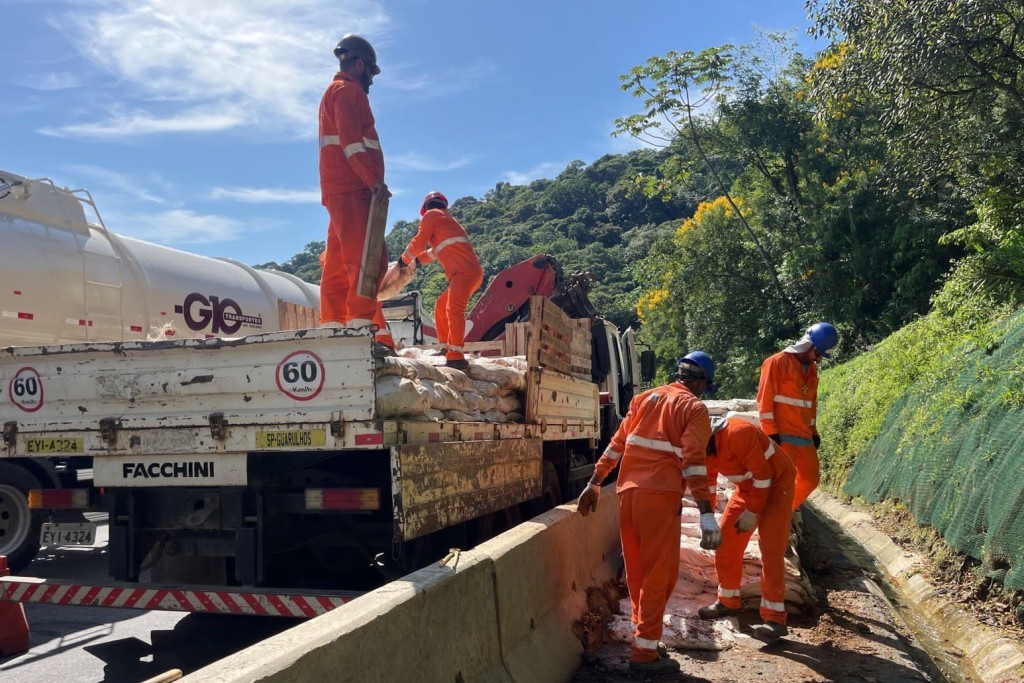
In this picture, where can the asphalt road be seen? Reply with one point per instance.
(89, 644)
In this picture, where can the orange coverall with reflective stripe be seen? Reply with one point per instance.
(351, 162)
(764, 476)
(450, 245)
(660, 449)
(787, 405)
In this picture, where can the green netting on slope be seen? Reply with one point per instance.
(952, 450)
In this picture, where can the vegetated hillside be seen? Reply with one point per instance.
(592, 217)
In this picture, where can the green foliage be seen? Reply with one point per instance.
(304, 265)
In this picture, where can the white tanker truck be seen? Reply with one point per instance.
(65, 278)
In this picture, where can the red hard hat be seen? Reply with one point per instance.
(434, 197)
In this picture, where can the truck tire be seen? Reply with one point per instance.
(19, 526)
(550, 495)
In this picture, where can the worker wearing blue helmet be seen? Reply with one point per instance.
(787, 402)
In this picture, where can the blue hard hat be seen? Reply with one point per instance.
(702, 361)
(823, 336)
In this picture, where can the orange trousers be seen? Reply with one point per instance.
(808, 470)
(649, 527)
(773, 538)
(450, 312)
(339, 295)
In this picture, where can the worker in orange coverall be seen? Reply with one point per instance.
(351, 171)
(450, 245)
(787, 402)
(763, 500)
(660, 449)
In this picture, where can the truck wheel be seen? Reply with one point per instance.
(550, 494)
(19, 526)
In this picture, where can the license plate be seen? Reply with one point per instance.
(52, 444)
(68, 534)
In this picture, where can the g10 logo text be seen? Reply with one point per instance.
(221, 316)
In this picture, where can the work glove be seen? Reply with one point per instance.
(817, 441)
(587, 501)
(710, 533)
(776, 438)
(746, 521)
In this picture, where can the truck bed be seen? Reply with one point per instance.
(293, 391)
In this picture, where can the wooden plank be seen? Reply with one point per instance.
(373, 247)
(552, 397)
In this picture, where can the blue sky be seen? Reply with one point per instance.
(194, 122)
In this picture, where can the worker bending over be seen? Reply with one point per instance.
(787, 402)
(762, 500)
(351, 172)
(660, 449)
(448, 242)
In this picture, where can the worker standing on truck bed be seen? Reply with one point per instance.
(351, 172)
(762, 500)
(449, 244)
(787, 402)
(660, 449)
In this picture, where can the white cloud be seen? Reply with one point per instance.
(547, 169)
(51, 81)
(139, 123)
(413, 161)
(438, 84)
(265, 195)
(126, 184)
(181, 226)
(200, 66)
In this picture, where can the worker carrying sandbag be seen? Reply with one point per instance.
(660, 450)
(787, 402)
(763, 500)
(448, 242)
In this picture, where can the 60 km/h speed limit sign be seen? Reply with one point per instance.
(300, 375)
(26, 390)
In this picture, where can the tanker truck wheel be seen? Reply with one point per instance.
(19, 526)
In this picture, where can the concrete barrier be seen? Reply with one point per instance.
(505, 615)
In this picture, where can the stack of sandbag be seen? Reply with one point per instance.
(418, 385)
(732, 405)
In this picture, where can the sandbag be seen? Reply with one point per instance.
(505, 377)
(398, 396)
(395, 280)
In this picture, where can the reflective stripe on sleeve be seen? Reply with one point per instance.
(770, 451)
(779, 398)
(737, 478)
(777, 606)
(371, 144)
(612, 454)
(762, 483)
(695, 470)
(766, 416)
(354, 148)
(654, 445)
(813, 420)
(329, 140)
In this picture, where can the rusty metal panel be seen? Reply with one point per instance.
(437, 485)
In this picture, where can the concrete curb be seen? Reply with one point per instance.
(995, 657)
(505, 614)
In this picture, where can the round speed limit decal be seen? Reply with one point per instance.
(300, 375)
(26, 390)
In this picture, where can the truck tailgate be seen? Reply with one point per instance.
(78, 398)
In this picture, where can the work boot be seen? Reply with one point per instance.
(381, 350)
(661, 665)
(769, 631)
(662, 650)
(715, 610)
(458, 364)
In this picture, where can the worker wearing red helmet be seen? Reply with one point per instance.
(351, 172)
(787, 402)
(762, 500)
(660, 450)
(440, 236)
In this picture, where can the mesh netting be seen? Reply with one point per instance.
(952, 450)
